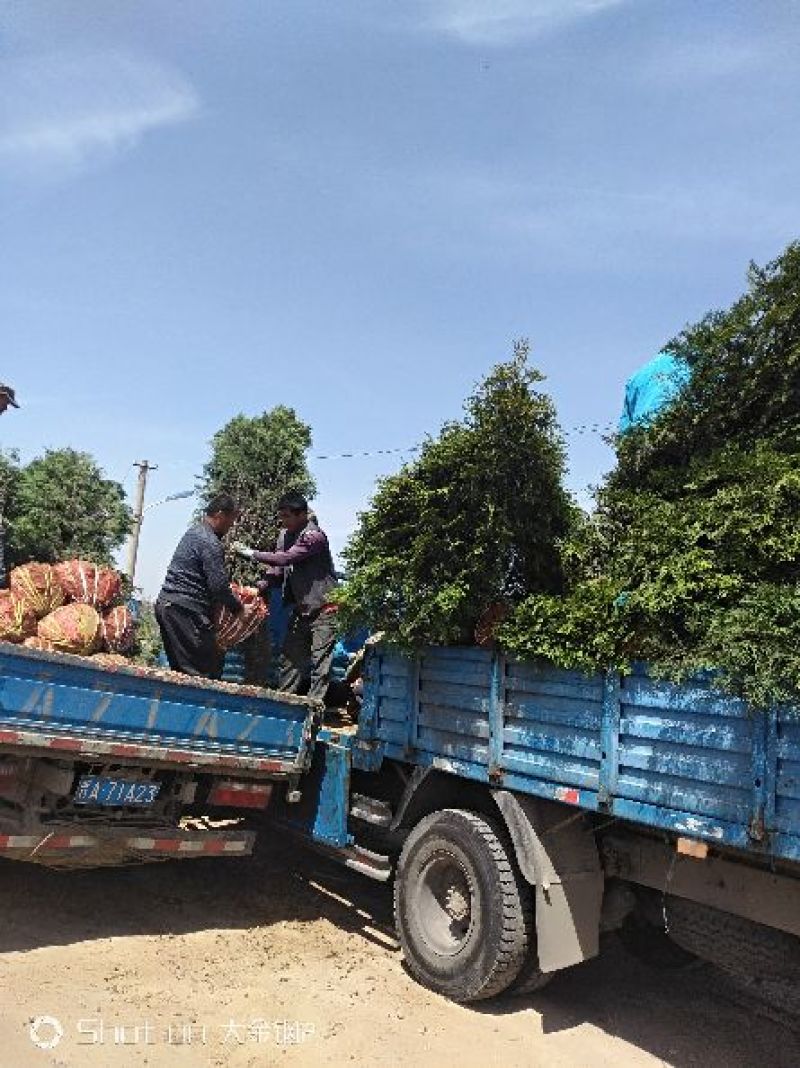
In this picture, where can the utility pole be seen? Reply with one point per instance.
(138, 511)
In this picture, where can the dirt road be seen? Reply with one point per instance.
(288, 959)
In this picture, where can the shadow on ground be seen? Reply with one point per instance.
(48, 907)
(661, 1013)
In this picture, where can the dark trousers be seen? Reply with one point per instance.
(257, 653)
(189, 640)
(308, 653)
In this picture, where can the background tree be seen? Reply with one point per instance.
(258, 459)
(61, 506)
(148, 644)
(9, 473)
(692, 559)
(474, 521)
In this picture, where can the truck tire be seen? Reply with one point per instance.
(531, 977)
(462, 909)
(765, 960)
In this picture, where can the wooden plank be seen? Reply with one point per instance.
(553, 740)
(467, 698)
(455, 721)
(692, 729)
(646, 693)
(442, 743)
(565, 771)
(563, 712)
(664, 758)
(708, 800)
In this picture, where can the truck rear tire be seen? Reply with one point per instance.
(462, 909)
(531, 977)
(644, 936)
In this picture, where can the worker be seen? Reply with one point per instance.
(8, 399)
(302, 564)
(196, 582)
(651, 389)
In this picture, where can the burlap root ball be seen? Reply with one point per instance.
(36, 642)
(118, 630)
(233, 629)
(38, 587)
(73, 628)
(17, 621)
(88, 583)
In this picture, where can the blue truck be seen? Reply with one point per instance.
(103, 765)
(520, 811)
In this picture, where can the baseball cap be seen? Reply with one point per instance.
(9, 394)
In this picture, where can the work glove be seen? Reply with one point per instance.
(242, 550)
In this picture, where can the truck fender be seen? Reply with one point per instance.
(558, 856)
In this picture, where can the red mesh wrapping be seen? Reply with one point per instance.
(73, 628)
(17, 621)
(232, 630)
(38, 587)
(118, 631)
(87, 583)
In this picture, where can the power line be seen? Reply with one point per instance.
(371, 452)
(601, 429)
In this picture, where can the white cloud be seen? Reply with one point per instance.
(65, 111)
(501, 22)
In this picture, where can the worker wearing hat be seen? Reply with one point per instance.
(8, 398)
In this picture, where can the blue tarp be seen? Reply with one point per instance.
(651, 389)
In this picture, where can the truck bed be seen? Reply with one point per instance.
(55, 702)
(685, 759)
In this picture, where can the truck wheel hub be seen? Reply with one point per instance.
(457, 902)
(441, 900)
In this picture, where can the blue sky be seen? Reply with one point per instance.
(354, 208)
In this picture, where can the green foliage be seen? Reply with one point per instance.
(744, 386)
(148, 636)
(9, 475)
(257, 460)
(756, 644)
(692, 559)
(473, 521)
(581, 631)
(61, 506)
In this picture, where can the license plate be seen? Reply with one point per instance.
(94, 790)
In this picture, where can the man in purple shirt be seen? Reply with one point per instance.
(302, 564)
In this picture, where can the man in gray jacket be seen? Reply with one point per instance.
(196, 582)
(302, 564)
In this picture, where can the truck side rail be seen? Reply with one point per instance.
(682, 758)
(54, 703)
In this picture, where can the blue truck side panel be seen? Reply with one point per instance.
(67, 696)
(682, 758)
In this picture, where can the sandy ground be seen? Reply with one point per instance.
(288, 959)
